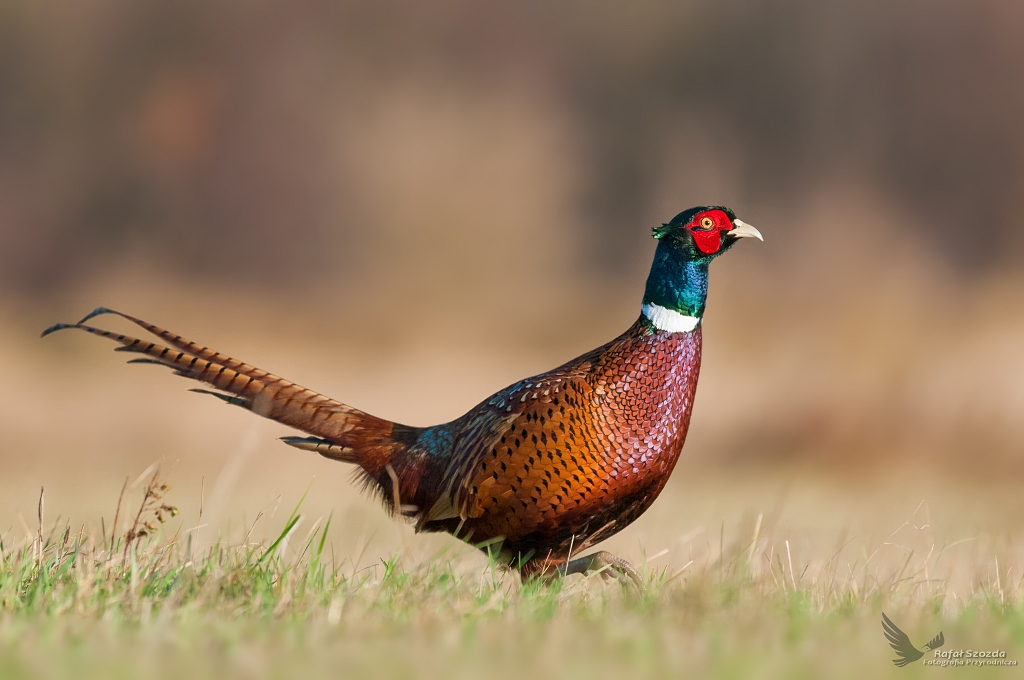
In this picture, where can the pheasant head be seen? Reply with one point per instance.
(677, 286)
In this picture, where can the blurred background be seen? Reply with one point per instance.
(408, 206)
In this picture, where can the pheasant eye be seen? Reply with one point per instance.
(707, 223)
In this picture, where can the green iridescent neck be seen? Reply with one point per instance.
(678, 280)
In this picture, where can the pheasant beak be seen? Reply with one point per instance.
(744, 230)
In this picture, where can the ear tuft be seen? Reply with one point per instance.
(663, 230)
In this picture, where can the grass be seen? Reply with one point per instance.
(149, 604)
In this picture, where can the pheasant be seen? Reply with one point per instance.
(538, 472)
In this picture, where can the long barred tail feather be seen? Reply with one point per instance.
(321, 446)
(184, 344)
(339, 431)
(226, 398)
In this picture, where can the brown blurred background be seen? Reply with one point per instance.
(410, 205)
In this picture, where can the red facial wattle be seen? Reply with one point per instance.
(708, 241)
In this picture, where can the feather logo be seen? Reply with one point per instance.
(900, 642)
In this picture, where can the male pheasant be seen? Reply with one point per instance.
(539, 471)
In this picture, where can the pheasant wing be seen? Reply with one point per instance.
(499, 422)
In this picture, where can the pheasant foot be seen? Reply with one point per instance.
(602, 562)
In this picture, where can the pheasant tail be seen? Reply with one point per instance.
(338, 430)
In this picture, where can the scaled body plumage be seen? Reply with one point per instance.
(572, 455)
(544, 468)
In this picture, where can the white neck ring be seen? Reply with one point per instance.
(669, 320)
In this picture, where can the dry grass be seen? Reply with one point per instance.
(750, 602)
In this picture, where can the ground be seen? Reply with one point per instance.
(755, 596)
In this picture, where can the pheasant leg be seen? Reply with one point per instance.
(607, 564)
